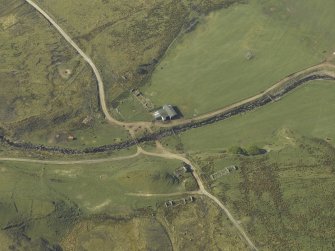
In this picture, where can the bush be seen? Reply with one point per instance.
(255, 150)
(237, 150)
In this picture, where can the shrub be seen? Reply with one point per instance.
(255, 150)
(237, 150)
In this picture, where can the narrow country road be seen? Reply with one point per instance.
(70, 162)
(202, 190)
(86, 58)
(163, 194)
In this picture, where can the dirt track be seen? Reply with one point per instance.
(71, 162)
(162, 194)
(84, 55)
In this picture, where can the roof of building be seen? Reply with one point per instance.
(161, 114)
(167, 111)
(170, 110)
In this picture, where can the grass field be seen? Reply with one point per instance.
(129, 109)
(307, 111)
(97, 133)
(283, 199)
(112, 182)
(238, 52)
(44, 201)
(29, 207)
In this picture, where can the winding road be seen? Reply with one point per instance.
(86, 58)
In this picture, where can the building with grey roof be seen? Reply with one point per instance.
(165, 113)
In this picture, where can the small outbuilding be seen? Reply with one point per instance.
(165, 113)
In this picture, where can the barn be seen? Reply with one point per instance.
(167, 112)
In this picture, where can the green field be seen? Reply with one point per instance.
(112, 182)
(129, 109)
(97, 133)
(44, 201)
(208, 69)
(306, 111)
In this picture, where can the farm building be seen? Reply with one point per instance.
(165, 113)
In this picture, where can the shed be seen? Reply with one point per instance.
(166, 112)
